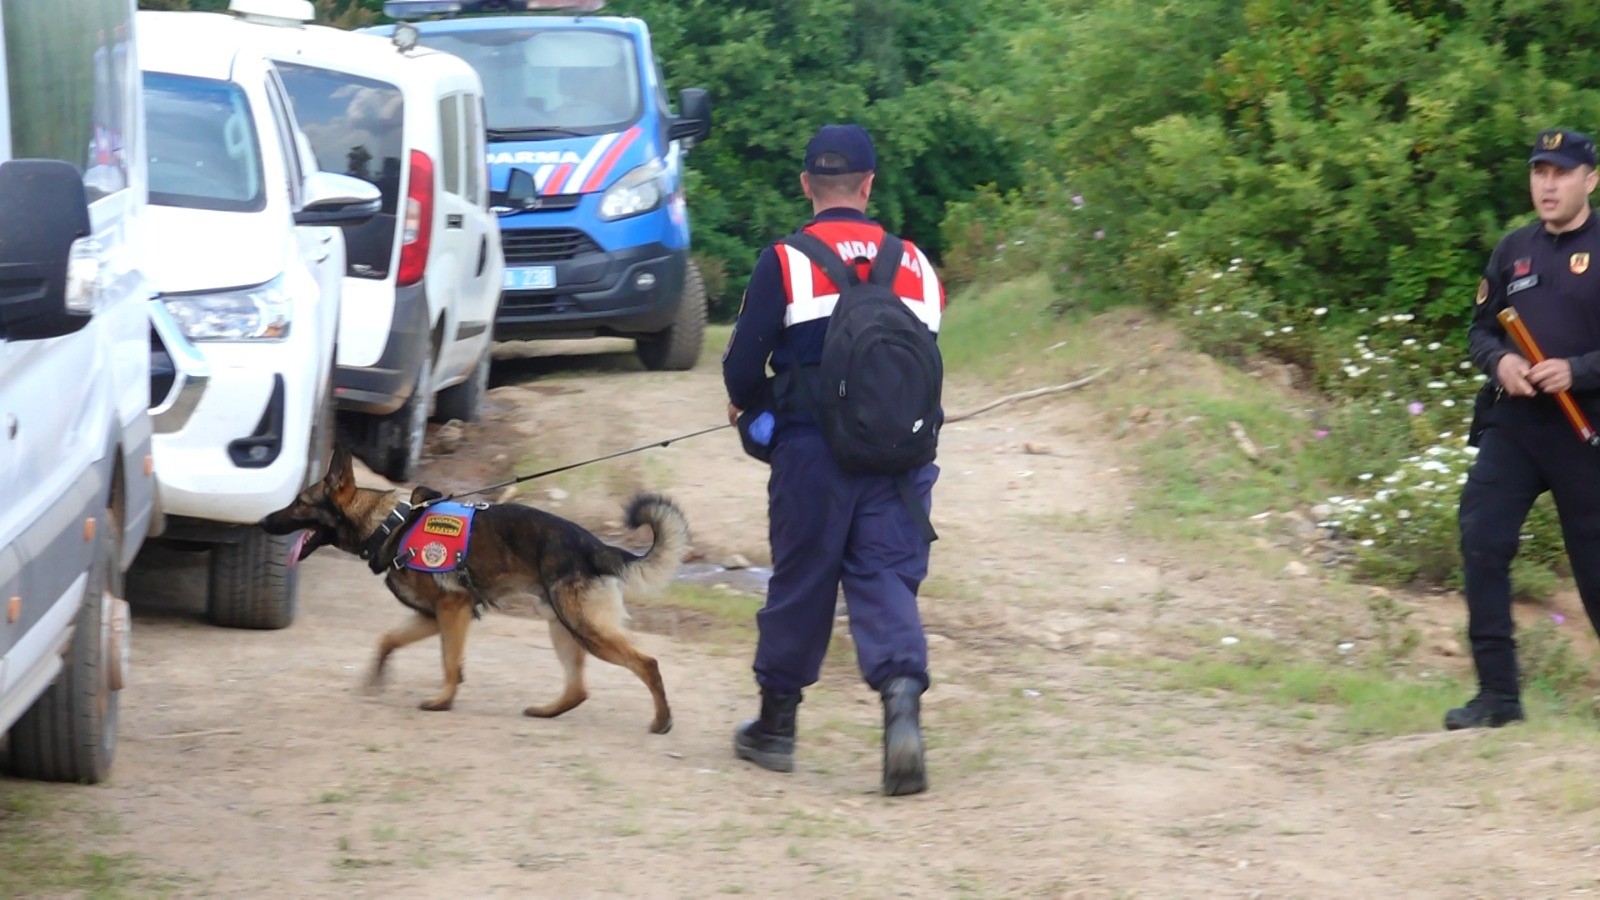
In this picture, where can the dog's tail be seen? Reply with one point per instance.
(652, 571)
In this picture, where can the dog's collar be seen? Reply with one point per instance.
(372, 547)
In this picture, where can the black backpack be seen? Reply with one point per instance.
(876, 393)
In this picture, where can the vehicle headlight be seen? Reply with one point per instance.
(637, 192)
(260, 313)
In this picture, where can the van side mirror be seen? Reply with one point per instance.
(694, 115)
(46, 289)
(334, 199)
(521, 194)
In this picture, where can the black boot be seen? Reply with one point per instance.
(769, 741)
(903, 768)
(1487, 710)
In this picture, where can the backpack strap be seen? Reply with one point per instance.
(919, 513)
(887, 265)
(827, 260)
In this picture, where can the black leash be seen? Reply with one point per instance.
(521, 478)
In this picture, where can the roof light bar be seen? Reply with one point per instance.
(406, 10)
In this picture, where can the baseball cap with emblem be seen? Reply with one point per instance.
(1567, 149)
(849, 142)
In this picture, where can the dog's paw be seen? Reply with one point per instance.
(437, 705)
(661, 726)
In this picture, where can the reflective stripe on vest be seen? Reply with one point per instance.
(811, 296)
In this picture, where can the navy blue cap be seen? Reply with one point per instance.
(1567, 149)
(848, 141)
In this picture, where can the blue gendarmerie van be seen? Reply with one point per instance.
(585, 168)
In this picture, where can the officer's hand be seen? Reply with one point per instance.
(1552, 376)
(1512, 373)
(733, 415)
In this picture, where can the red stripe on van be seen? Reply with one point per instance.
(598, 176)
(557, 179)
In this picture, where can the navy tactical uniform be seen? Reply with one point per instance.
(1526, 446)
(828, 528)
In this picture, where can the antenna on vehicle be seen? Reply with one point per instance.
(405, 36)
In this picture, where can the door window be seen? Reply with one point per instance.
(72, 84)
(354, 125)
(450, 137)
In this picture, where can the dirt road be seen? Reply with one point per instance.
(252, 764)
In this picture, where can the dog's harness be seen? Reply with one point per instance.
(372, 547)
(437, 540)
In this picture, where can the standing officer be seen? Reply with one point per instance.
(828, 527)
(1549, 270)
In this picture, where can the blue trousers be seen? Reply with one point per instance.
(829, 528)
(1528, 449)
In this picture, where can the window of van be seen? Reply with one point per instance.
(204, 150)
(450, 135)
(72, 83)
(354, 124)
(356, 127)
(559, 81)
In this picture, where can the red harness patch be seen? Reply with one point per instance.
(437, 541)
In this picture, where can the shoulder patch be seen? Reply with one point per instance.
(1483, 290)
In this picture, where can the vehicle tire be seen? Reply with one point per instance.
(678, 348)
(396, 439)
(462, 401)
(253, 583)
(70, 732)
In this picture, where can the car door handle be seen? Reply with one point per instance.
(327, 238)
(454, 220)
(483, 254)
(322, 258)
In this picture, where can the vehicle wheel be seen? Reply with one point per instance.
(463, 400)
(678, 348)
(70, 732)
(254, 583)
(397, 438)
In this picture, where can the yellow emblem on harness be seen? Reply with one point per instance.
(1579, 263)
(449, 526)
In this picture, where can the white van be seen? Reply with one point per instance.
(422, 280)
(75, 437)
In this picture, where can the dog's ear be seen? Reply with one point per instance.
(420, 494)
(341, 479)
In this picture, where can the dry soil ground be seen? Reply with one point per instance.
(252, 764)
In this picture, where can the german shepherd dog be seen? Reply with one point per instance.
(576, 581)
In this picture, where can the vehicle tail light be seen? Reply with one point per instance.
(418, 232)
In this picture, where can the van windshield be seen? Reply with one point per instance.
(204, 153)
(551, 83)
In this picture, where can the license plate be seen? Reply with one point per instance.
(530, 278)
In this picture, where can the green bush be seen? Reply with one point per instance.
(1314, 181)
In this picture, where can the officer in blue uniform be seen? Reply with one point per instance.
(1549, 271)
(828, 528)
